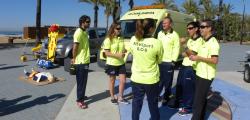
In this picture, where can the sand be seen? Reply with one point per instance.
(4, 39)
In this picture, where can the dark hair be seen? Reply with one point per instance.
(143, 27)
(195, 25)
(83, 19)
(111, 30)
(169, 18)
(209, 23)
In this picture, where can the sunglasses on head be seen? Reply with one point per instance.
(203, 26)
(190, 28)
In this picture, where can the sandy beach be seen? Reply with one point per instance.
(4, 39)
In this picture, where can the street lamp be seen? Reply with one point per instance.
(242, 23)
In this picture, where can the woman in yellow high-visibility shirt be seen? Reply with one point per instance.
(147, 54)
(207, 59)
(115, 51)
(185, 86)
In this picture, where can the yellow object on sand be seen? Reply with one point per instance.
(53, 37)
(37, 48)
(23, 58)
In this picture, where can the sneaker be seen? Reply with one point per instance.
(82, 105)
(123, 101)
(114, 101)
(184, 112)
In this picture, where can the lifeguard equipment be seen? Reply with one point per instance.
(37, 51)
(23, 58)
(44, 64)
(53, 37)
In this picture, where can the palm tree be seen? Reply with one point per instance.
(191, 7)
(96, 8)
(168, 3)
(209, 9)
(226, 9)
(109, 5)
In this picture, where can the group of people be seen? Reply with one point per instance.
(153, 65)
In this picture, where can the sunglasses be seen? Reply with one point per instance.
(190, 28)
(203, 26)
(87, 21)
(118, 28)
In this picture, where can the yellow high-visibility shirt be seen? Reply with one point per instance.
(207, 50)
(147, 54)
(83, 52)
(116, 45)
(171, 45)
(192, 44)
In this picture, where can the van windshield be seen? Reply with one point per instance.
(128, 28)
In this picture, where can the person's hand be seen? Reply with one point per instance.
(183, 40)
(193, 57)
(124, 51)
(120, 55)
(72, 61)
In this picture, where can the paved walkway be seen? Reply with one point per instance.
(225, 100)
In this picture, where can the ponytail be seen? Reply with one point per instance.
(139, 30)
(143, 28)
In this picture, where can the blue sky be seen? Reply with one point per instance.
(16, 14)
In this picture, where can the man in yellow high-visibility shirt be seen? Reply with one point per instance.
(81, 58)
(207, 59)
(171, 46)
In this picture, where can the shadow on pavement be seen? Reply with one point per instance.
(11, 106)
(167, 113)
(2, 64)
(6, 103)
(97, 97)
(10, 67)
(214, 101)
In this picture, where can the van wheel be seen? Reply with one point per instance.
(67, 64)
(247, 74)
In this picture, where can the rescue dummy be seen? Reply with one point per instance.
(39, 76)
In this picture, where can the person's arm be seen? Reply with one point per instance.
(160, 53)
(212, 60)
(107, 47)
(114, 55)
(74, 52)
(176, 47)
(214, 48)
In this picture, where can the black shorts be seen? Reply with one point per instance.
(115, 70)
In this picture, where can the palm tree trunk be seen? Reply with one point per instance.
(242, 23)
(131, 4)
(107, 22)
(96, 15)
(38, 22)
